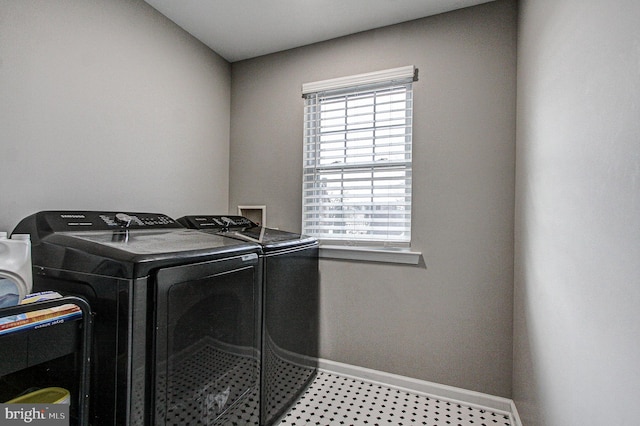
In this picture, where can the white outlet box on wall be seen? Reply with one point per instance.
(256, 214)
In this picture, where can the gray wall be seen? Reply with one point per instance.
(108, 105)
(448, 320)
(577, 322)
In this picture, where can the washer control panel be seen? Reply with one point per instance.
(61, 221)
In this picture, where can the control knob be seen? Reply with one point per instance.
(123, 219)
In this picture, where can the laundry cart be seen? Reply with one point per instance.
(45, 355)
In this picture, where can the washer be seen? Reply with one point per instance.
(290, 307)
(177, 314)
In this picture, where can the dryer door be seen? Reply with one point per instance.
(207, 343)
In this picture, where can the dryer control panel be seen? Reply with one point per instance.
(216, 222)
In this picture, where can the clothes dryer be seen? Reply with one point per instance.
(290, 307)
(177, 314)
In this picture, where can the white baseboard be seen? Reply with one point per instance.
(453, 394)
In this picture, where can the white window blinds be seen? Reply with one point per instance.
(357, 158)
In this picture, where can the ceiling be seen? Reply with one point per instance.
(242, 29)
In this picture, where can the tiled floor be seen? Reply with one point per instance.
(337, 400)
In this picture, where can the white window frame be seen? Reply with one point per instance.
(366, 232)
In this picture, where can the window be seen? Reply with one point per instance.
(357, 159)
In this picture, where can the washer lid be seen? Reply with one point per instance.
(154, 243)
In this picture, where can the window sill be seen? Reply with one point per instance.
(370, 254)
